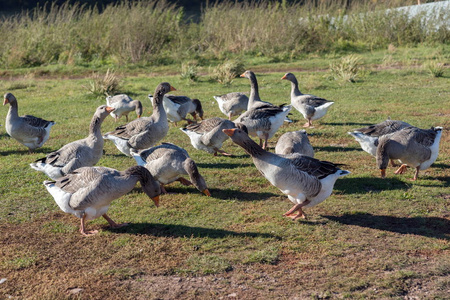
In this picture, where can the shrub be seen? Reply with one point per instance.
(436, 69)
(347, 69)
(107, 85)
(189, 71)
(226, 72)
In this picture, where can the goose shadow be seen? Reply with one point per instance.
(223, 165)
(348, 124)
(179, 231)
(360, 185)
(433, 227)
(337, 149)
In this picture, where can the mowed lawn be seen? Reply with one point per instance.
(372, 238)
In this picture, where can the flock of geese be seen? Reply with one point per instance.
(86, 191)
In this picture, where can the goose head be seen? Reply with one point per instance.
(103, 111)
(8, 98)
(198, 108)
(289, 76)
(162, 89)
(248, 74)
(149, 185)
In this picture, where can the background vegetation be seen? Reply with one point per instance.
(157, 32)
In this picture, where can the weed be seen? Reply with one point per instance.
(226, 72)
(347, 69)
(434, 68)
(106, 85)
(189, 71)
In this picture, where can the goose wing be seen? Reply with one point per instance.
(35, 121)
(312, 166)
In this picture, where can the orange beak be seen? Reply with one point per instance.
(229, 132)
(207, 193)
(110, 109)
(172, 88)
(5, 101)
(284, 77)
(242, 75)
(383, 173)
(156, 200)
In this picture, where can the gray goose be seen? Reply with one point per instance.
(305, 180)
(368, 136)
(232, 104)
(28, 130)
(123, 105)
(310, 106)
(88, 192)
(414, 147)
(208, 135)
(262, 119)
(178, 107)
(81, 153)
(144, 132)
(168, 163)
(294, 142)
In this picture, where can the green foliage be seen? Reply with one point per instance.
(346, 69)
(434, 68)
(225, 73)
(189, 71)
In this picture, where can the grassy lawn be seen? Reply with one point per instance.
(372, 238)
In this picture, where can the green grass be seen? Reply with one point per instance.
(371, 239)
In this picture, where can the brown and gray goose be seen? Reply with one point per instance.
(144, 132)
(168, 163)
(88, 192)
(28, 130)
(262, 119)
(232, 104)
(208, 135)
(414, 147)
(294, 142)
(310, 106)
(81, 153)
(123, 105)
(305, 180)
(368, 136)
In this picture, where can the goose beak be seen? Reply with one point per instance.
(207, 193)
(156, 200)
(5, 101)
(383, 173)
(229, 132)
(284, 77)
(172, 88)
(242, 75)
(110, 109)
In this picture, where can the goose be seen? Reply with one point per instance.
(88, 191)
(144, 132)
(123, 105)
(168, 163)
(232, 104)
(414, 147)
(81, 153)
(368, 136)
(305, 180)
(208, 135)
(310, 106)
(294, 142)
(28, 130)
(177, 108)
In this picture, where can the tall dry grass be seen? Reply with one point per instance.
(157, 32)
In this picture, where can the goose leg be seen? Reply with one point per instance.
(393, 164)
(401, 170)
(184, 181)
(297, 208)
(266, 137)
(229, 116)
(416, 174)
(308, 124)
(260, 142)
(113, 224)
(83, 229)
(222, 152)
(126, 116)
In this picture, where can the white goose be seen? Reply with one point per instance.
(123, 105)
(305, 180)
(144, 132)
(81, 153)
(310, 106)
(88, 192)
(208, 135)
(232, 104)
(294, 142)
(368, 136)
(414, 147)
(28, 130)
(168, 163)
(177, 108)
